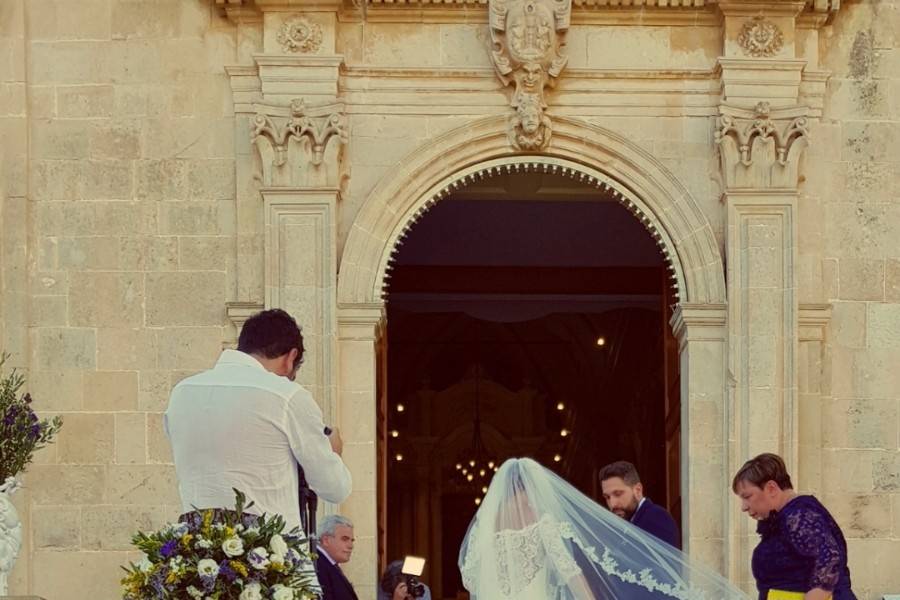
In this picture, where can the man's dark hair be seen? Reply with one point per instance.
(622, 469)
(761, 469)
(271, 333)
(392, 576)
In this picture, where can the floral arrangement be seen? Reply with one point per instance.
(223, 555)
(21, 432)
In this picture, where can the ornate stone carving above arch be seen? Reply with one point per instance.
(645, 186)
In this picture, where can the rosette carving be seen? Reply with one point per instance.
(761, 38)
(299, 34)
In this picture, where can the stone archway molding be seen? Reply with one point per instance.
(580, 150)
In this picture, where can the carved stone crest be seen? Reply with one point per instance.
(528, 51)
(761, 38)
(299, 34)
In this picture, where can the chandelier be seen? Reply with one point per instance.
(475, 466)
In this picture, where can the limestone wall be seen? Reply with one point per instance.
(850, 217)
(129, 210)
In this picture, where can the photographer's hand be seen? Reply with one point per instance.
(337, 444)
(400, 592)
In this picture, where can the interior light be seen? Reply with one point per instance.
(477, 501)
(557, 458)
(560, 406)
(471, 463)
(481, 472)
(395, 433)
(458, 466)
(400, 408)
(564, 432)
(470, 477)
(491, 464)
(601, 341)
(484, 489)
(399, 457)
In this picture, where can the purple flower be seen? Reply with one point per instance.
(11, 413)
(169, 548)
(27, 398)
(226, 571)
(34, 432)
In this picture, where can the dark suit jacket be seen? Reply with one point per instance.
(656, 521)
(334, 585)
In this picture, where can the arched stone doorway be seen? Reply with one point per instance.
(527, 315)
(598, 158)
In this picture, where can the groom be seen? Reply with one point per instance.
(624, 495)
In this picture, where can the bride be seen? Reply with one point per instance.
(535, 537)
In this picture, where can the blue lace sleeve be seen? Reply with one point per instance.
(810, 534)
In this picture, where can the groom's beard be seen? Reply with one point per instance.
(627, 512)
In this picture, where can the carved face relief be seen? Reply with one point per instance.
(529, 116)
(532, 77)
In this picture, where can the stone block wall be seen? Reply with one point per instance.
(850, 216)
(118, 225)
(118, 218)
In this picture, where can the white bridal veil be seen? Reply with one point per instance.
(536, 537)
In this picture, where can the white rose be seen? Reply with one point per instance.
(251, 592)
(278, 546)
(258, 558)
(279, 592)
(207, 568)
(233, 546)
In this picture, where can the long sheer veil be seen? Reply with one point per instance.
(536, 537)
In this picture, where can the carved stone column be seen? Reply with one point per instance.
(701, 334)
(813, 393)
(761, 132)
(290, 134)
(357, 384)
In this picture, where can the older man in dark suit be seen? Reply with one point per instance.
(624, 495)
(335, 547)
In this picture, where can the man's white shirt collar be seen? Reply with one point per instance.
(640, 504)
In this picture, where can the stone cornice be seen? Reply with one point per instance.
(810, 13)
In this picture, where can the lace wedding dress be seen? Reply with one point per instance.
(535, 537)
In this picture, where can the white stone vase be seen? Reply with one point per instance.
(10, 532)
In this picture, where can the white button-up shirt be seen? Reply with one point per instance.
(240, 426)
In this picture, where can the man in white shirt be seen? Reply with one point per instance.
(245, 424)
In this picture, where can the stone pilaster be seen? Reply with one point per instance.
(813, 394)
(359, 329)
(301, 262)
(761, 132)
(701, 334)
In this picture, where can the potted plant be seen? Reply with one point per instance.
(21, 433)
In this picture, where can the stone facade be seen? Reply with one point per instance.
(170, 166)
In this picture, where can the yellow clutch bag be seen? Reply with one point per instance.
(783, 595)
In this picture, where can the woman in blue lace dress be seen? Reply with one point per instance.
(801, 548)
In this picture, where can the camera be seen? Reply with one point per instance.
(406, 571)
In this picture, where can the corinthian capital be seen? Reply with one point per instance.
(299, 145)
(760, 148)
